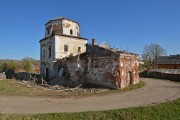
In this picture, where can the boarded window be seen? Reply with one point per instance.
(65, 48)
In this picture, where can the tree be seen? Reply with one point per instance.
(27, 64)
(3, 67)
(0, 68)
(150, 54)
(12, 65)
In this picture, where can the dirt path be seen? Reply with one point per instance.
(154, 91)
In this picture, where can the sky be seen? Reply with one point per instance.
(124, 24)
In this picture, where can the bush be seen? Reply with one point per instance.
(27, 64)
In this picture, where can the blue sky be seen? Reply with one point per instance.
(125, 24)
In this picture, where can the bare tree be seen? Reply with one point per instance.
(150, 54)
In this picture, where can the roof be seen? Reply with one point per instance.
(61, 18)
(168, 60)
(95, 50)
(64, 36)
(115, 50)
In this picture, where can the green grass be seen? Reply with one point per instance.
(13, 87)
(163, 111)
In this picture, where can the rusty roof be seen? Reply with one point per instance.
(61, 18)
(100, 49)
(115, 50)
(168, 60)
(64, 36)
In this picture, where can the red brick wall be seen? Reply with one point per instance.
(127, 70)
(168, 66)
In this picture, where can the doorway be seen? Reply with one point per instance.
(61, 72)
(129, 79)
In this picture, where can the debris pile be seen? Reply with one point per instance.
(2, 76)
(45, 86)
(57, 81)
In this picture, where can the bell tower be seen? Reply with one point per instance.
(62, 26)
(62, 39)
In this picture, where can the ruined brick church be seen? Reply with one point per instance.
(68, 58)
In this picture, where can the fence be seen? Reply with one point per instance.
(170, 74)
(22, 76)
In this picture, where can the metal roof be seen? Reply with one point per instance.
(168, 60)
(63, 35)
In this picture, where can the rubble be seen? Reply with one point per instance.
(45, 86)
(2, 76)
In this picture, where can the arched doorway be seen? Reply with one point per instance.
(130, 77)
(63, 72)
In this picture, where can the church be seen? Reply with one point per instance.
(67, 59)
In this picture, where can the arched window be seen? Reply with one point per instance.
(79, 49)
(49, 51)
(71, 31)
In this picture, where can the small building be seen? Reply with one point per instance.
(168, 67)
(67, 59)
(168, 62)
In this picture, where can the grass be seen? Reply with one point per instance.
(163, 111)
(12, 87)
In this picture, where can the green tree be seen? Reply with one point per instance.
(150, 54)
(27, 64)
(13, 65)
(1, 68)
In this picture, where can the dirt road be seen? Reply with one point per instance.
(154, 91)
